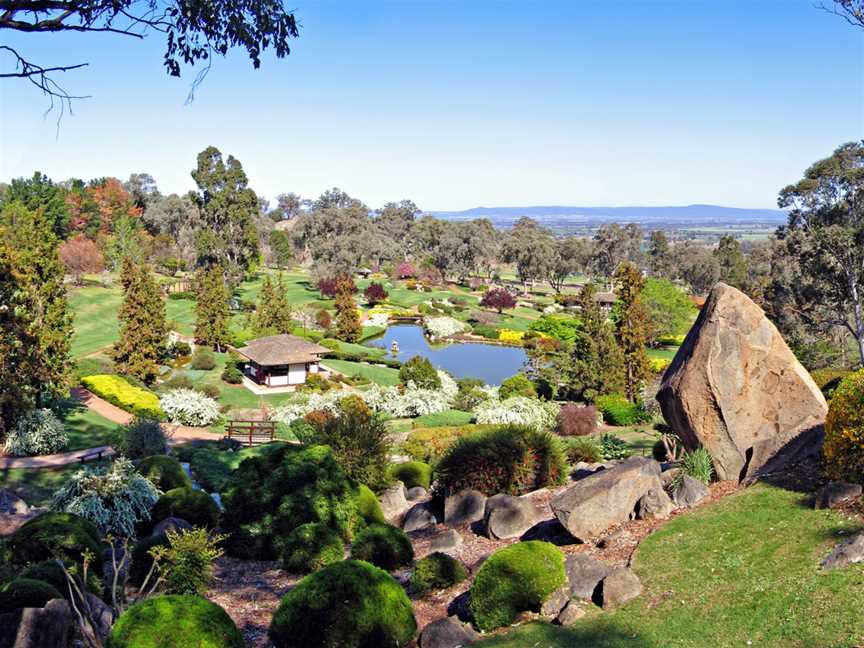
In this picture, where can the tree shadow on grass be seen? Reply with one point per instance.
(589, 636)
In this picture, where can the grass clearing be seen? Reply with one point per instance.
(87, 429)
(379, 375)
(443, 419)
(741, 572)
(37, 486)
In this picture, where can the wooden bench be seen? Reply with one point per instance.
(96, 454)
(252, 432)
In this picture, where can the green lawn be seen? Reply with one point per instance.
(379, 375)
(743, 572)
(37, 486)
(87, 429)
(663, 353)
(443, 419)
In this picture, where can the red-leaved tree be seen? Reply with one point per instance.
(375, 293)
(328, 286)
(80, 255)
(499, 299)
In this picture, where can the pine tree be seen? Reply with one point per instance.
(282, 319)
(212, 315)
(597, 364)
(35, 322)
(142, 324)
(348, 326)
(273, 313)
(632, 327)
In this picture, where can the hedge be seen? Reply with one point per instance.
(350, 604)
(118, 391)
(175, 621)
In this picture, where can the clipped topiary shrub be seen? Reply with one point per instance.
(165, 472)
(350, 604)
(55, 535)
(514, 579)
(194, 506)
(412, 473)
(269, 496)
(518, 385)
(26, 593)
(310, 547)
(844, 431)
(142, 437)
(368, 506)
(37, 432)
(574, 420)
(180, 620)
(118, 391)
(437, 571)
(510, 459)
(384, 546)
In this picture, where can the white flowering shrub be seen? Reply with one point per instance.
(448, 385)
(517, 410)
(38, 432)
(302, 404)
(378, 319)
(116, 498)
(189, 407)
(439, 327)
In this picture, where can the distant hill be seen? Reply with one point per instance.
(687, 215)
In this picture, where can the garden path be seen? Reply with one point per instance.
(175, 434)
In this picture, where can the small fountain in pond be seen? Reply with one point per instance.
(394, 348)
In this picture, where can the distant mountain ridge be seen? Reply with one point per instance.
(577, 214)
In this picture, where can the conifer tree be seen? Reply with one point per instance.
(273, 313)
(35, 324)
(142, 324)
(212, 315)
(632, 324)
(348, 326)
(597, 361)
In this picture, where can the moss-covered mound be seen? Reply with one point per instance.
(175, 621)
(437, 571)
(271, 495)
(56, 535)
(412, 473)
(194, 506)
(384, 546)
(514, 579)
(165, 472)
(350, 604)
(368, 506)
(310, 547)
(50, 572)
(26, 593)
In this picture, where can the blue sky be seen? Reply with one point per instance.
(460, 104)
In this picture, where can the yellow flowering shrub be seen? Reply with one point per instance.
(844, 431)
(117, 391)
(511, 336)
(658, 365)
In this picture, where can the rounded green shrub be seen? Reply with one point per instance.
(194, 506)
(310, 547)
(518, 385)
(175, 621)
(514, 579)
(56, 535)
(384, 546)
(437, 571)
(513, 459)
(269, 496)
(368, 506)
(203, 359)
(141, 558)
(412, 473)
(421, 372)
(617, 410)
(165, 472)
(26, 593)
(844, 430)
(142, 437)
(583, 449)
(350, 604)
(48, 571)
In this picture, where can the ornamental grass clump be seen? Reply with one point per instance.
(844, 431)
(698, 465)
(350, 604)
(116, 499)
(37, 432)
(189, 407)
(515, 579)
(511, 459)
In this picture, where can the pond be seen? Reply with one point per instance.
(489, 362)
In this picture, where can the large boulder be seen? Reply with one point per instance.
(593, 504)
(688, 492)
(736, 389)
(584, 573)
(835, 493)
(393, 502)
(449, 632)
(620, 586)
(848, 552)
(11, 504)
(464, 507)
(507, 516)
(37, 627)
(418, 517)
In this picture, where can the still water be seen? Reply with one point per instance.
(490, 362)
